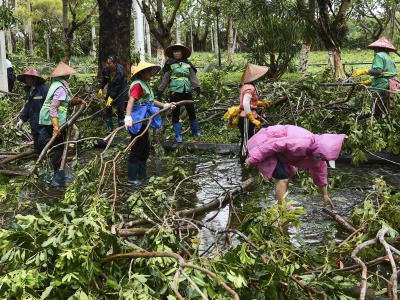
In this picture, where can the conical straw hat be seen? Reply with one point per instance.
(143, 65)
(30, 72)
(186, 52)
(252, 73)
(62, 69)
(382, 43)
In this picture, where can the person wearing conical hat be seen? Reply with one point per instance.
(36, 92)
(383, 71)
(180, 77)
(114, 91)
(53, 114)
(141, 105)
(249, 101)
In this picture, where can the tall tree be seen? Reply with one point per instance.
(159, 23)
(331, 28)
(80, 15)
(114, 31)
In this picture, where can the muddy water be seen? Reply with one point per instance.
(221, 173)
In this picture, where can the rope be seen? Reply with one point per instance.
(380, 157)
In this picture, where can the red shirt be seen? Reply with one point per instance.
(136, 91)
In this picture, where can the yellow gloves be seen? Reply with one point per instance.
(100, 93)
(263, 104)
(109, 101)
(359, 73)
(233, 116)
(253, 120)
(366, 82)
(55, 125)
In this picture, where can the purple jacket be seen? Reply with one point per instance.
(294, 147)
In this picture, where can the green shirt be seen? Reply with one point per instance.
(384, 62)
(44, 116)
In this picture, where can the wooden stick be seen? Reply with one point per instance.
(345, 224)
(13, 173)
(17, 156)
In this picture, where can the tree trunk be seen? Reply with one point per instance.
(191, 35)
(178, 30)
(160, 55)
(230, 40)
(148, 38)
(67, 35)
(304, 52)
(93, 41)
(234, 40)
(47, 47)
(212, 39)
(114, 33)
(335, 62)
(28, 30)
(139, 29)
(215, 35)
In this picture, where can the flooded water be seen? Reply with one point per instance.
(221, 173)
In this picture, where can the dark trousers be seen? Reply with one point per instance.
(247, 130)
(120, 107)
(176, 97)
(141, 149)
(45, 134)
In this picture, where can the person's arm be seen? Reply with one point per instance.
(164, 82)
(24, 114)
(105, 75)
(194, 80)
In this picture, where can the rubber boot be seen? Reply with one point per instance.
(57, 179)
(177, 129)
(194, 127)
(109, 125)
(142, 171)
(65, 177)
(133, 173)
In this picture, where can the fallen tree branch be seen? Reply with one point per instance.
(17, 156)
(67, 124)
(182, 265)
(346, 225)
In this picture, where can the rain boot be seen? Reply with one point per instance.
(177, 129)
(109, 124)
(194, 127)
(133, 173)
(57, 179)
(65, 177)
(142, 171)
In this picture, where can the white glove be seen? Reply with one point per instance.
(19, 124)
(128, 121)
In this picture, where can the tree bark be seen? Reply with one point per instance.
(178, 30)
(304, 52)
(28, 30)
(335, 62)
(215, 37)
(114, 31)
(230, 40)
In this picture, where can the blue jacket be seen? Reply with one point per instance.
(33, 104)
(117, 88)
(144, 111)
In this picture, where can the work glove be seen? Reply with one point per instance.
(128, 121)
(197, 91)
(253, 120)
(76, 101)
(19, 124)
(366, 82)
(263, 104)
(55, 126)
(100, 93)
(109, 101)
(359, 73)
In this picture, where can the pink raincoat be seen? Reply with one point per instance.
(294, 147)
